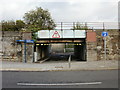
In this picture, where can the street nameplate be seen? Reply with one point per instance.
(26, 41)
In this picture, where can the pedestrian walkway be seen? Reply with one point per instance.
(59, 66)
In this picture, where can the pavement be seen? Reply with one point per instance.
(59, 66)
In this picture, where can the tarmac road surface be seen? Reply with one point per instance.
(60, 79)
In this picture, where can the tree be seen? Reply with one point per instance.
(8, 25)
(39, 19)
(12, 25)
(19, 24)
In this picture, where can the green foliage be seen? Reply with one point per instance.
(12, 25)
(34, 35)
(79, 26)
(19, 24)
(38, 19)
(8, 25)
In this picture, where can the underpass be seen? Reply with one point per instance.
(60, 44)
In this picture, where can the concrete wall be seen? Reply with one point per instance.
(91, 51)
(12, 50)
(1, 45)
(58, 48)
(112, 46)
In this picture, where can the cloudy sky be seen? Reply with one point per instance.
(63, 10)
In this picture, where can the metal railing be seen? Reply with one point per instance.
(89, 25)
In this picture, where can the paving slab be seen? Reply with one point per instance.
(59, 66)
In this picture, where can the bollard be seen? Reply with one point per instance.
(69, 61)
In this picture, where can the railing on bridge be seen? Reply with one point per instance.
(89, 25)
(75, 29)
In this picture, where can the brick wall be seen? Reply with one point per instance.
(91, 36)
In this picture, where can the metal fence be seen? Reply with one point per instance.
(89, 25)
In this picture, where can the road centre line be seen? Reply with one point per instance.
(57, 84)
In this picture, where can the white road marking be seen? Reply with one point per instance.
(57, 84)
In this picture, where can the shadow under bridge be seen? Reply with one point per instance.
(58, 45)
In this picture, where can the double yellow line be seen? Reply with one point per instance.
(42, 44)
(49, 44)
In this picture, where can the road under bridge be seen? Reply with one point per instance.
(51, 41)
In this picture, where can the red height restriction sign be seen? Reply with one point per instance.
(56, 35)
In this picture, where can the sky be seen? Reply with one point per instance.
(63, 10)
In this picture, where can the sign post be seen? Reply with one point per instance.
(105, 34)
(25, 52)
(25, 41)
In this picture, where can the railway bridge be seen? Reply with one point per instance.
(49, 41)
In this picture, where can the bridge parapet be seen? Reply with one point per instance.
(53, 34)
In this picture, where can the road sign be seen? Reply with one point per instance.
(56, 35)
(26, 41)
(48, 34)
(20, 40)
(29, 41)
(104, 34)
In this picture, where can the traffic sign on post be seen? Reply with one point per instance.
(20, 40)
(104, 34)
(25, 41)
(29, 41)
